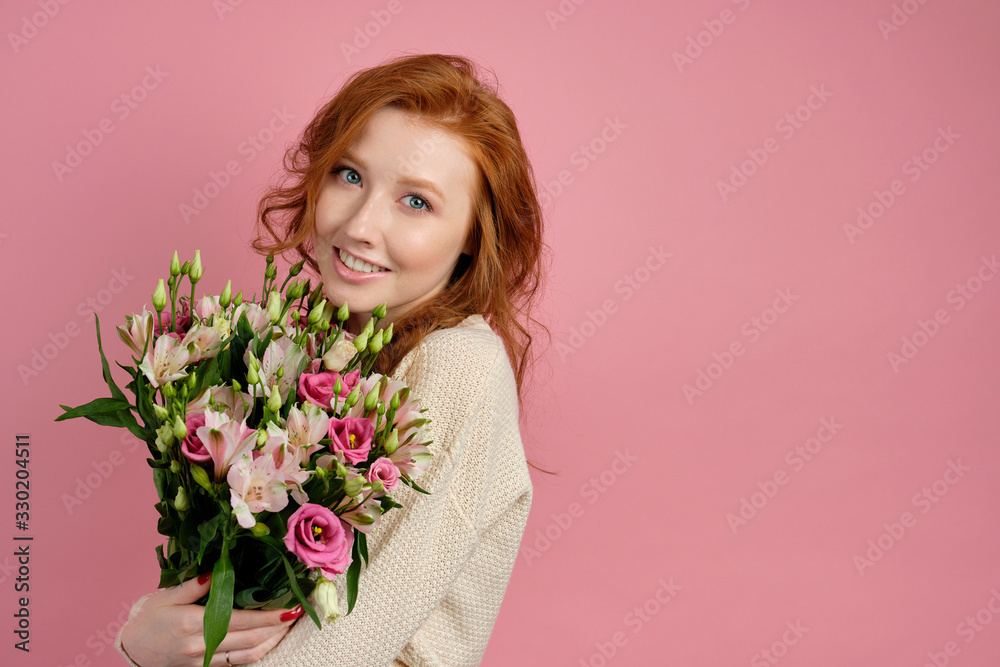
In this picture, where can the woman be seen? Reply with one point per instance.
(410, 187)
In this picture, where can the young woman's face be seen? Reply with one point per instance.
(401, 199)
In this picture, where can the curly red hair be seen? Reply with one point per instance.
(502, 277)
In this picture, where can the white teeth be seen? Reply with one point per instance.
(355, 264)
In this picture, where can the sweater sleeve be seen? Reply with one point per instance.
(439, 565)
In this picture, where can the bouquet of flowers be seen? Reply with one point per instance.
(274, 448)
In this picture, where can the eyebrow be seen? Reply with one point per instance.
(408, 181)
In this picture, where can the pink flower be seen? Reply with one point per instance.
(192, 446)
(353, 436)
(384, 471)
(138, 331)
(319, 539)
(183, 317)
(226, 440)
(165, 361)
(287, 459)
(306, 429)
(255, 486)
(317, 388)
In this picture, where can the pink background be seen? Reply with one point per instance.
(636, 553)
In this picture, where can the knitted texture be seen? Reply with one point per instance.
(439, 566)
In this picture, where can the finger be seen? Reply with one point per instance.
(247, 619)
(253, 652)
(189, 592)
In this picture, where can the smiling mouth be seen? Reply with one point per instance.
(358, 265)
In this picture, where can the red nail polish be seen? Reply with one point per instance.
(293, 614)
(202, 578)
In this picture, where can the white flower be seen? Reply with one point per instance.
(326, 598)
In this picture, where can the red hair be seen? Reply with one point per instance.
(503, 275)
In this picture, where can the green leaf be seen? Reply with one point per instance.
(362, 540)
(299, 595)
(95, 407)
(353, 574)
(413, 484)
(115, 391)
(219, 608)
(107, 420)
(207, 532)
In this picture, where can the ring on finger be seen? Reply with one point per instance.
(228, 663)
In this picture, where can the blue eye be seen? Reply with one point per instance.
(348, 178)
(422, 204)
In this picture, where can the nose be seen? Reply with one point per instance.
(364, 225)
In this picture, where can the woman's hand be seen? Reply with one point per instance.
(168, 630)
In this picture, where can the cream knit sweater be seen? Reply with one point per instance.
(440, 564)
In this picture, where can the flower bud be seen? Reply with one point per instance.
(375, 345)
(196, 270)
(175, 467)
(316, 296)
(252, 377)
(181, 500)
(227, 295)
(352, 397)
(186, 267)
(316, 314)
(238, 301)
(342, 470)
(295, 316)
(280, 373)
(274, 400)
(160, 297)
(361, 341)
(394, 401)
(236, 387)
(164, 437)
(175, 265)
(200, 476)
(296, 269)
(160, 412)
(343, 312)
(180, 428)
(260, 530)
(261, 436)
(379, 311)
(326, 598)
(270, 258)
(381, 409)
(377, 486)
(274, 306)
(271, 272)
(392, 442)
(353, 486)
(371, 399)
(387, 336)
(192, 380)
(168, 390)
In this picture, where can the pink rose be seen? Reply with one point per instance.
(318, 387)
(385, 471)
(318, 538)
(353, 436)
(193, 447)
